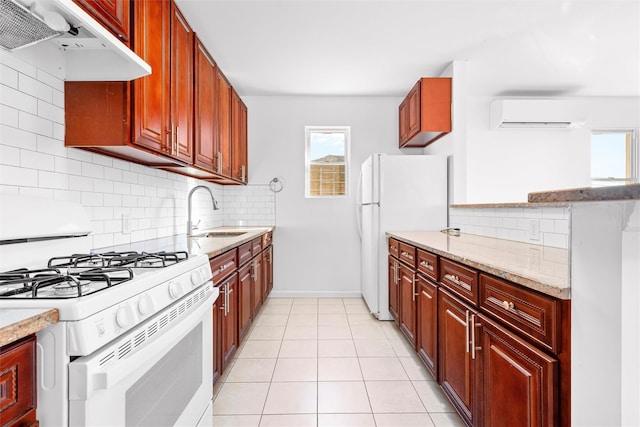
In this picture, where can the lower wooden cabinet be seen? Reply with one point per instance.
(457, 363)
(245, 288)
(256, 274)
(394, 306)
(519, 382)
(267, 271)
(17, 383)
(427, 324)
(407, 284)
(229, 306)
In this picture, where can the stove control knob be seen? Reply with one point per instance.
(175, 289)
(196, 278)
(145, 305)
(125, 316)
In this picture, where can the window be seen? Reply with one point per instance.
(614, 157)
(327, 160)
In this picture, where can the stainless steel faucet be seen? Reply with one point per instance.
(190, 228)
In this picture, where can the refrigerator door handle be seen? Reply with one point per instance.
(359, 205)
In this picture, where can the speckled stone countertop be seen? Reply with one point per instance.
(587, 194)
(211, 246)
(544, 269)
(16, 323)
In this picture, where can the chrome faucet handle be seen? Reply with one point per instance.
(195, 227)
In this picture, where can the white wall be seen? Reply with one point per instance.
(316, 242)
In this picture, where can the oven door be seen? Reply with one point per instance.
(160, 374)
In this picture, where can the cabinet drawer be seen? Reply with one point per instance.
(428, 263)
(18, 376)
(532, 314)
(244, 253)
(256, 245)
(407, 254)
(393, 248)
(223, 265)
(460, 279)
(267, 238)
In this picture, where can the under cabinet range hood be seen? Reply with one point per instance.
(91, 52)
(537, 114)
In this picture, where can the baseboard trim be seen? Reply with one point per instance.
(315, 294)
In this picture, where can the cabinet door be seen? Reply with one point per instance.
(181, 87)
(413, 114)
(427, 339)
(230, 320)
(152, 42)
(456, 362)
(112, 14)
(205, 142)
(245, 285)
(519, 382)
(403, 127)
(407, 283)
(224, 124)
(217, 336)
(267, 269)
(256, 272)
(393, 289)
(239, 137)
(17, 381)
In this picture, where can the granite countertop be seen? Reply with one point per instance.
(544, 269)
(197, 245)
(17, 323)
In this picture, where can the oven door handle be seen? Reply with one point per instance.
(87, 377)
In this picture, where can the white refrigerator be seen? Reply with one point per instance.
(396, 193)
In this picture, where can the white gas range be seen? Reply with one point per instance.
(133, 344)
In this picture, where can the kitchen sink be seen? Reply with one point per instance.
(214, 234)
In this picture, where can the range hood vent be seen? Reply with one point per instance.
(91, 52)
(537, 114)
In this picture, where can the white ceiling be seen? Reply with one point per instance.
(380, 48)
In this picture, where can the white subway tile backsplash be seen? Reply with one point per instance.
(51, 112)
(53, 180)
(113, 174)
(14, 175)
(34, 160)
(43, 193)
(18, 100)
(68, 166)
(33, 87)
(80, 183)
(17, 138)
(58, 131)
(8, 76)
(58, 98)
(8, 116)
(34, 124)
(70, 196)
(92, 199)
(53, 146)
(92, 170)
(50, 80)
(9, 155)
(103, 186)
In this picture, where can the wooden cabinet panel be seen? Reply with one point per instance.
(205, 143)
(223, 265)
(407, 254)
(224, 124)
(244, 253)
(239, 138)
(456, 362)
(519, 382)
(267, 239)
(267, 271)
(394, 248)
(532, 314)
(394, 299)
(245, 289)
(256, 246)
(17, 382)
(256, 272)
(425, 113)
(427, 332)
(112, 14)
(230, 319)
(460, 279)
(181, 87)
(151, 106)
(216, 340)
(427, 263)
(407, 284)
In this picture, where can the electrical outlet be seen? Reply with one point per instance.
(126, 223)
(534, 229)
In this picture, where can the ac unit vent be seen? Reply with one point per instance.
(537, 114)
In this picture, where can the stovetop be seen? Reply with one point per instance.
(80, 275)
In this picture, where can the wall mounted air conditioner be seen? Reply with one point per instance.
(537, 114)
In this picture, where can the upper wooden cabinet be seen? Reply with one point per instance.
(179, 118)
(238, 138)
(112, 14)
(425, 113)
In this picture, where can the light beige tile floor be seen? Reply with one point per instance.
(326, 362)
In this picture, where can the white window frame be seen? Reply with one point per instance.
(634, 159)
(308, 130)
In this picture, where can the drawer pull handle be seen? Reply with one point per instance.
(508, 305)
(427, 295)
(426, 265)
(457, 281)
(406, 254)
